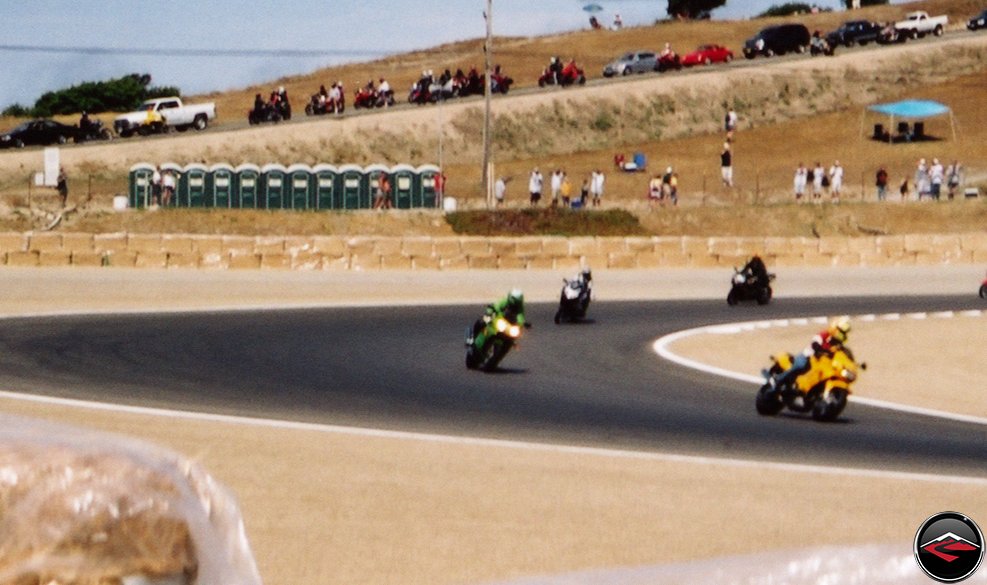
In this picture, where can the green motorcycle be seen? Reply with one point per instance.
(489, 340)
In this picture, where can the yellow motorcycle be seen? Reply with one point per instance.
(823, 390)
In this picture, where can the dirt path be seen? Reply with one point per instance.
(346, 506)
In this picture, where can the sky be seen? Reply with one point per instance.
(231, 44)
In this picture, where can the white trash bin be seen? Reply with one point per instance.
(448, 204)
(120, 203)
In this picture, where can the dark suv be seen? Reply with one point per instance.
(777, 40)
(854, 32)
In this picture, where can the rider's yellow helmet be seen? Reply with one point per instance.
(840, 328)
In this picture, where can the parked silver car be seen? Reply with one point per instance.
(634, 62)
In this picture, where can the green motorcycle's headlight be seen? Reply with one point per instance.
(501, 325)
(514, 331)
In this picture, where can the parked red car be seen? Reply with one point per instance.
(707, 54)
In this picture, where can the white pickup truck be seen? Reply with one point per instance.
(918, 24)
(163, 114)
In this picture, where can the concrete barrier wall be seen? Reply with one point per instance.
(480, 253)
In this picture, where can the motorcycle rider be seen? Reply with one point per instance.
(510, 307)
(755, 272)
(555, 69)
(384, 91)
(825, 342)
(84, 122)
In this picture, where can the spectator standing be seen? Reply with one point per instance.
(936, 174)
(903, 189)
(673, 192)
(818, 174)
(556, 186)
(881, 181)
(835, 181)
(382, 196)
(566, 189)
(730, 121)
(584, 193)
(953, 177)
(500, 191)
(440, 187)
(535, 182)
(62, 185)
(617, 22)
(801, 178)
(596, 182)
(654, 191)
(167, 186)
(156, 186)
(921, 179)
(726, 165)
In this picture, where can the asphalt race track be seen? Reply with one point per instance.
(597, 383)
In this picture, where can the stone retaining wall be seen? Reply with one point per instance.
(461, 253)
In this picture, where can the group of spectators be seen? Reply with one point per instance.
(819, 180)
(560, 186)
(930, 181)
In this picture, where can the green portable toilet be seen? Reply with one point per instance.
(299, 186)
(221, 185)
(247, 186)
(140, 185)
(192, 185)
(273, 187)
(176, 170)
(403, 179)
(427, 195)
(324, 178)
(350, 186)
(371, 174)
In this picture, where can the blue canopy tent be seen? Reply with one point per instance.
(916, 111)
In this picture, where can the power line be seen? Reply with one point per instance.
(179, 52)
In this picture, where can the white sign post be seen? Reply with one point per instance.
(52, 164)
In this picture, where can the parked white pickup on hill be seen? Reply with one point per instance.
(163, 114)
(918, 24)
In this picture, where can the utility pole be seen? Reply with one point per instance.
(487, 52)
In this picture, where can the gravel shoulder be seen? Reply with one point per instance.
(343, 506)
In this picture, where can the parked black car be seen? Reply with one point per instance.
(977, 22)
(38, 132)
(854, 32)
(778, 40)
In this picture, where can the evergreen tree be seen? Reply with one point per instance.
(692, 8)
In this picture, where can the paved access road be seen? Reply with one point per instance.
(596, 383)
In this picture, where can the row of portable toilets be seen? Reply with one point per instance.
(274, 186)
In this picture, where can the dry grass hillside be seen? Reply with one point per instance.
(791, 111)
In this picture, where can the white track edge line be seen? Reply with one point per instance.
(500, 443)
(662, 345)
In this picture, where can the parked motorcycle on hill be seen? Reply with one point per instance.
(669, 61)
(569, 75)
(820, 46)
(93, 130)
(267, 113)
(822, 391)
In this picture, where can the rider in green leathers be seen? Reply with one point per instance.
(511, 307)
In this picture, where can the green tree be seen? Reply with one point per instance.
(849, 3)
(115, 95)
(692, 8)
(17, 110)
(787, 9)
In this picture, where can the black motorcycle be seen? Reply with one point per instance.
(268, 113)
(745, 286)
(574, 301)
(93, 130)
